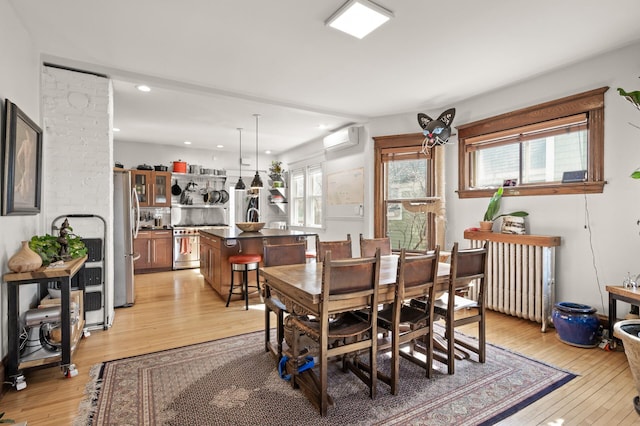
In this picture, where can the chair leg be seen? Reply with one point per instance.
(482, 350)
(324, 399)
(230, 289)
(395, 360)
(245, 276)
(258, 283)
(451, 349)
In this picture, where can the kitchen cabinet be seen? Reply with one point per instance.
(153, 188)
(155, 249)
(210, 267)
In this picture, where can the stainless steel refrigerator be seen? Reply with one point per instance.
(126, 221)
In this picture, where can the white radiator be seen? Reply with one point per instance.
(520, 279)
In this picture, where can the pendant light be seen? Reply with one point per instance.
(240, 185)
(257, 181)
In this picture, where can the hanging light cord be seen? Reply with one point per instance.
(240, 130)
(257, 116)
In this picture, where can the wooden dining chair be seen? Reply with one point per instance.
(466, 266)
(368, 246)
(405, 323)
(277, 255)
(348, 285)
(339, 249)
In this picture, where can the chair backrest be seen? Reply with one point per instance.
(417, 274)
(283, 254)
(349, 284)
(368, 246)
(339, 249)
(468, 265)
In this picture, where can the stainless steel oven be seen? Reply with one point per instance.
(186, 248)
(186, 245)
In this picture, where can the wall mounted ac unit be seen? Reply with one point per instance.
(343, 138)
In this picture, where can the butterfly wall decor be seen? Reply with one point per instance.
(436, 131)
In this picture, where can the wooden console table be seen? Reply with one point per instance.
(617, 292)
(42, 276)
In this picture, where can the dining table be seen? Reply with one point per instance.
(299, 288)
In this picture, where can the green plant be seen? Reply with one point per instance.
(494, 207)
(276, 168)
(634, 98)
(48, 247)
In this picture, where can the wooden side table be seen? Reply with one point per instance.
(617, 292)
(41, 276)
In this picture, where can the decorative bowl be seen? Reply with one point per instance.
(250, 226)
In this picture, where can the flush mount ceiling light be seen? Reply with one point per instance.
(359, 17)
(257, 181)
(143, 88)
(240, 185)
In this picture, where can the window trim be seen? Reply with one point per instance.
(590, 103)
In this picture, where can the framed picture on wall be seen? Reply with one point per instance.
(21, 163)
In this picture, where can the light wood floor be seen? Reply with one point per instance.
(177, 308)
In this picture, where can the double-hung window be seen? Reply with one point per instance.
(552, 148)
(306, 196)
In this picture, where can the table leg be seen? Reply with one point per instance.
(612, 313)
(65, 291)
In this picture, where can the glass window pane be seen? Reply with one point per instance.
(493, 165)
(546, 159)
(406, 179)
(405, 228)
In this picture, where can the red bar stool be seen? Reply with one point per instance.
(244, 263)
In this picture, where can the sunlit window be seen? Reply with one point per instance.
(306, 196)
(537, 150)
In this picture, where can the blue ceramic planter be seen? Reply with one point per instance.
(576, 324)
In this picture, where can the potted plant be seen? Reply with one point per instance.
(64, 247)
(486, 224)
(634, 98)
(275, 173)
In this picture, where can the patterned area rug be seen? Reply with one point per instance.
(234, 381)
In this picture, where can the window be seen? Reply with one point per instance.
(409, 208)
(534, 147)
(306, 196)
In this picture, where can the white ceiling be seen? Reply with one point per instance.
(214, 63)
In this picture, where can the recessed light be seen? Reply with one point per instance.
(267, 152)
(187, 142)
(115, 129)
(323, 126)
(143, 88)
(219, 146)
(359, 17)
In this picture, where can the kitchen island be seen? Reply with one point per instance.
(216, 245)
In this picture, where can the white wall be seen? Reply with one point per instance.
(78, 117)
(600, 235)
(19, 72)
(336, 227)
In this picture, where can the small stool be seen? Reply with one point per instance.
(244, 263)
(310, 256)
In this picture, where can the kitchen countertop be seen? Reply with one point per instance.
(155, 228)
(235, 233)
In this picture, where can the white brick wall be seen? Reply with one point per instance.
(77, 111)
